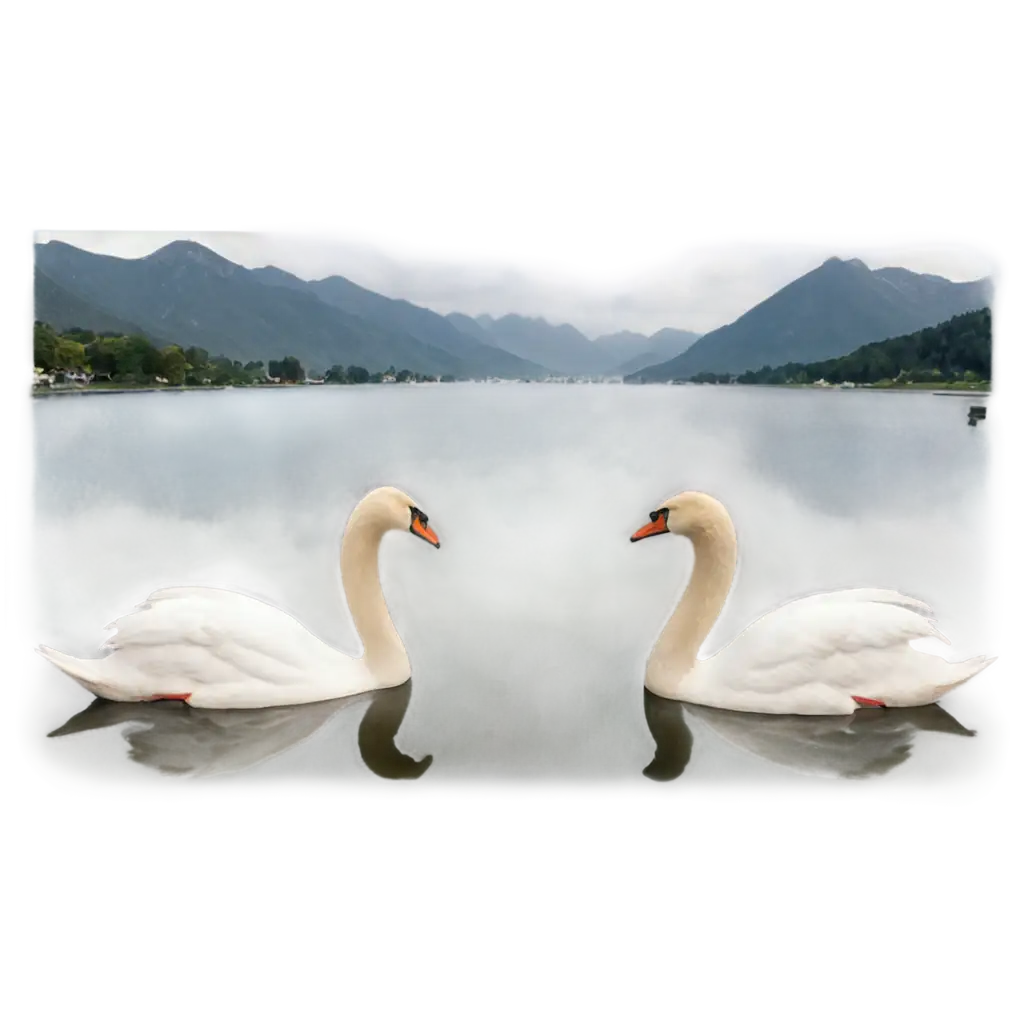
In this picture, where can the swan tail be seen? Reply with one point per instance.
(85, 670)
(961, 671)
(90, 672)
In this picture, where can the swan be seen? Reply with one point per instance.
(822, 655)
(214, 648)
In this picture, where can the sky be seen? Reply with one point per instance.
(698, 289)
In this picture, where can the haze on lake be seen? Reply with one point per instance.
(528, 630)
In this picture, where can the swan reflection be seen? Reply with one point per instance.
(177, 739)
(872, 741)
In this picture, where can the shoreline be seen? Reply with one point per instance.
(925, 389)
(52, 393)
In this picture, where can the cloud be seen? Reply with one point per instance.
(601, 274)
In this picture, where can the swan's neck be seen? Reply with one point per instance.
(360, 576)
(714, 565)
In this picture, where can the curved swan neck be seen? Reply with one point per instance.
(714, 565)
(360, 577)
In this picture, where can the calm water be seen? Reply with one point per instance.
(529, 628)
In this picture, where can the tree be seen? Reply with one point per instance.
(134, 358)
(81, 335)
(197, 356)
(944, 352)
(289, 369)
(173, 365)
(69, 355)
(44, 347)
(358, 374)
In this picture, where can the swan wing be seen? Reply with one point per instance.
(865, 595)
(217, 636)
(230, 598)
(813, 640)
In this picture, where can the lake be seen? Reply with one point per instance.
(528, 630)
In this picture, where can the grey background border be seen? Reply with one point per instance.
(527, 914)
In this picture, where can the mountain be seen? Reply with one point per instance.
(190, 295)
(477, 358)
(63, 310)
(629, 346)
(637, 363)
(622, 345)
(671, 341)
(949, 351)
(478, 329)
(561, 348)
(828, 312)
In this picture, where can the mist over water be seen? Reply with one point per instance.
(528, 630)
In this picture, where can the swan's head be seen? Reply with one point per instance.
(390, 509)
(687, 514)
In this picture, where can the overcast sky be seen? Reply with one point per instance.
(699, 290)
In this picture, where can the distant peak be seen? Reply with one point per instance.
(180, 246)
(185, 249)
(271, 271)
(835, 261)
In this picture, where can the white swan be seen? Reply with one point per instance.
(823, 655)
(217, 649)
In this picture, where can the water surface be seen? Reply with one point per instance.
(529, 628)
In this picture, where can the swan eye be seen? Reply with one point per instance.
(422, 517)
(655, 515)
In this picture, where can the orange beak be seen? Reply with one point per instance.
(421, 529)
(659, 524)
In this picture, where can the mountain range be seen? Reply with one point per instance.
(400, 318)
(661, 345)
(189, 295)
(560, 347)
(826, 313)
(567, 351)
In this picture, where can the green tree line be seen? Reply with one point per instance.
(360, 375)
(958, 350)
(135, 360)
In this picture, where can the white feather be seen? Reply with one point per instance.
(222, 649)
(812, 656)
